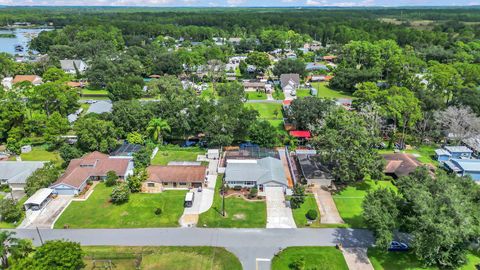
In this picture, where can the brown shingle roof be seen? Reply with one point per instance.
(400, 164)
(23, 78)
(94, 164)
(176, 173)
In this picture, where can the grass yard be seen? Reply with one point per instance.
(39, 153)
(424, 153)
(278, 95)
(267, 110)
(303, 93)
(325, 92)
(299, 213)
(91, 92)
(349, 201)
(407, 261)
(255, 96)
(239, 213)
(320, 258)
(172, 258)
(164, 156)
(138, 212)
(209, 94)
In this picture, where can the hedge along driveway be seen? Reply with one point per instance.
(138, 212)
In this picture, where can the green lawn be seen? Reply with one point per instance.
(39, 153)
(256, 95)
(320, 258)
(349, 201)
(91, 92)
(138, 212)
(239, 213)
(303, 93)
(407, 261)
(424, 153)
(164, 156)
(278, 95)
(299, 213)
(325, 92)
(172, 258)
(267, 110)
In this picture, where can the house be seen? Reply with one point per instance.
(400, 164)
(33, 79)
(100, 107)
(312, 66)
(289, 82)
(464, 167)
(15, 173)
(39, 199)
(234, 41)
(92, 166)
(453, 152)
(262, 173)
(72, 66)
(313, 170)
(329, 58)
(173, 177)
(251, 86)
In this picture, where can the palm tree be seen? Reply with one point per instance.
(156, 128)
(18, 248)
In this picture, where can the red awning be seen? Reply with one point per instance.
(300, 134)
(287, 102)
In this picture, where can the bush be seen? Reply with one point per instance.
(10, 211)
(111, 179)
(158, 211)
(312, 214)
(237, 188)
(120, 194)
(253, 193)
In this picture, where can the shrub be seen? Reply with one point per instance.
(237, 188)
(158, 211)
(253, 193)
(298, 264)
(120, 194)
(111, 179)
(312, 214)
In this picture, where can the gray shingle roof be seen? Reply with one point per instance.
(17, 172)
(71, 64)
(262, 171)
(100, 107)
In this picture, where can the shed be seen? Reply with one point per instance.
(26, 149)
(301, 134)
(442, 155)
(38, 199)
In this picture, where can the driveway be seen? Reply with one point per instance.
(46, 217)
(278, 214)
(357, 258)
(252, 246)
(328, 210)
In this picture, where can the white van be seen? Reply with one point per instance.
(189, 197)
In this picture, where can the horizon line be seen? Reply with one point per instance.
(233, 7)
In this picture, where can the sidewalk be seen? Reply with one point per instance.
(357, 258)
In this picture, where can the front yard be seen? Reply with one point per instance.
(172, 258)
(256, 95)
(138, 212)
(320, 258)
(299, 213)
(267, 110)
(239, 212)
(326, 92)
(167, 154)
(349, 201)
(39, 153)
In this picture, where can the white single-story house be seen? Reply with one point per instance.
(15, 173)
(263, 172)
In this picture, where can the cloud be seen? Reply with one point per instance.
(235, 2)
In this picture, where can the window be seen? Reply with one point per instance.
(165, 183)
(250, 183)
(183, 184)
(150, 184)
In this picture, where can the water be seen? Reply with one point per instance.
(23, 37)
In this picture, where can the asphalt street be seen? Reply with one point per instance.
(254, 247)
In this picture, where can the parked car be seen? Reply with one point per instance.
(398, 246)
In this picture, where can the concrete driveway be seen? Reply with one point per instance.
(357, 258)
(328, 210)
(46, 217)
(278, 214)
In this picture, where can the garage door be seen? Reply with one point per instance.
(60, 191)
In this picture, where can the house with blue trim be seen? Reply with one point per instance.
(464, 167)
(453, 152)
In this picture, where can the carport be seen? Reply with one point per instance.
(38, 199)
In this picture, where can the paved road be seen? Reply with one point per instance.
(248, 244)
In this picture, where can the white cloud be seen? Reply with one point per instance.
(235, 2)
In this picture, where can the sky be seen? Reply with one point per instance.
(240, 3)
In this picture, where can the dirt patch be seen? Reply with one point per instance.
(125, 213)
(240, 216)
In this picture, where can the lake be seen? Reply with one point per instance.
(22, 37)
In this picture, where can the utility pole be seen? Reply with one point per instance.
(223, 199)
(40, 236)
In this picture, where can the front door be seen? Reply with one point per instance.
(174, 184)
